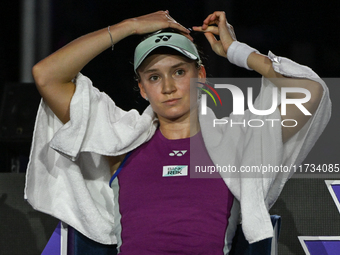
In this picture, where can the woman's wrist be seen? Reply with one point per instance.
(238, 54)
(119, 31)
(129, 26)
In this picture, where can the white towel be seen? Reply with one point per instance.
(72, 185)
(256, 146)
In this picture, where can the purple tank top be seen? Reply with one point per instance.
(159, 209)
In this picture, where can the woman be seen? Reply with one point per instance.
(94, 126)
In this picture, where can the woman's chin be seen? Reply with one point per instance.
(174, 116)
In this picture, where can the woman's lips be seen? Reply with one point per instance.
(171, 101)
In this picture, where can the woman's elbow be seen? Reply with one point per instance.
(38, 75)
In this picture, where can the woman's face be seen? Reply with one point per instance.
(165, 82)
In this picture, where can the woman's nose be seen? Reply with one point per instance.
(169, 85)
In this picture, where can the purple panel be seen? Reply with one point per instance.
(336, 189)
(323, 247)
(70, 241)
(53, 245)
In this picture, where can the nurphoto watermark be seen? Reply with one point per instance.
(242, 121)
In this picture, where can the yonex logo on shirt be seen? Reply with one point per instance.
(177, 153)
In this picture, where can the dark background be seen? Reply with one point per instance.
(305, 31)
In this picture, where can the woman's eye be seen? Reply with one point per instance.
(153, 78)
(180, 72)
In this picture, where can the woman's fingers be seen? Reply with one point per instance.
(174, 24)
(215, 44)
(211, 29)
(206, 22)
(214, 18)
(216, 24)
(157, 21)
(211, 38)
(217, 18)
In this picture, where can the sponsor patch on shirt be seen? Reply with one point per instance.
(175, 171)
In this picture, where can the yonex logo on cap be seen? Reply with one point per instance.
(177, 153)
(163, 38)
(178, 42)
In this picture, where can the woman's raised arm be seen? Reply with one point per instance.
(216, 24)
(53, 75)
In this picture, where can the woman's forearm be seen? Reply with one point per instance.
(63, 65)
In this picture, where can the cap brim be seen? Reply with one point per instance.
(181, 50)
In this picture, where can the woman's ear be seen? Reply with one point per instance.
(201, 72)
(142, 90)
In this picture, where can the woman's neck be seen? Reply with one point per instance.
(180, 128)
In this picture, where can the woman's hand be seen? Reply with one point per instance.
(223, 29)
(156, 21)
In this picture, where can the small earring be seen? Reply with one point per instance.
(146, 99)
